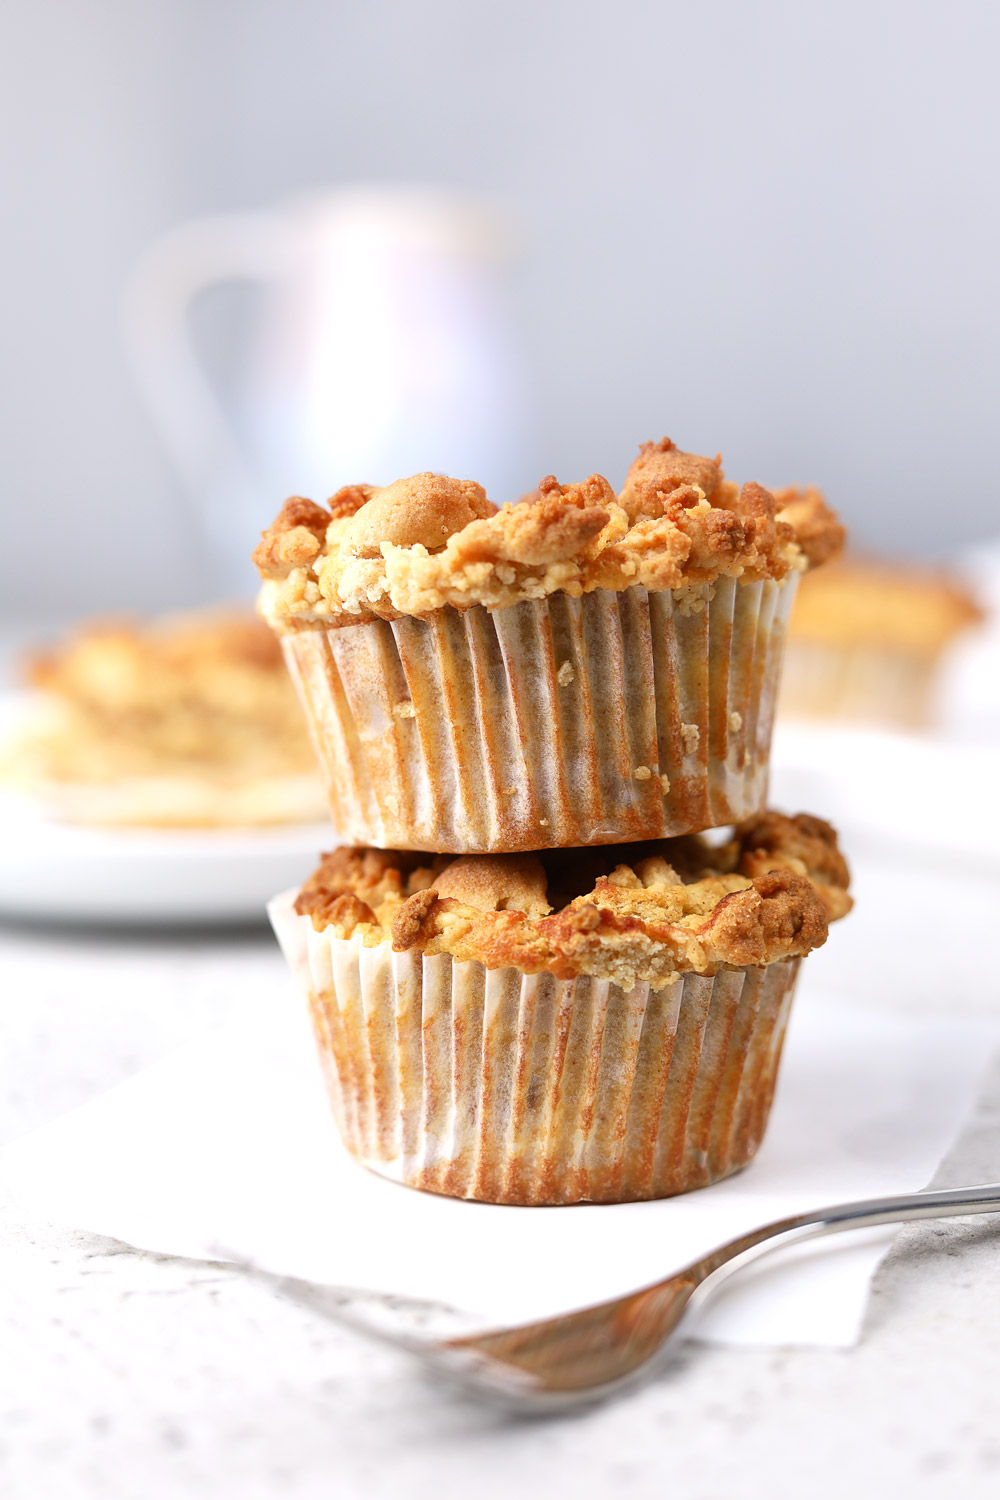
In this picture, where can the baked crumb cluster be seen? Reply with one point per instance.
(429, 541)
(631, 913)
(207, 693)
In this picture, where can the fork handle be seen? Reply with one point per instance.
(867, 1213)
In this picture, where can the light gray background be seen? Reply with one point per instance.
(766, 227)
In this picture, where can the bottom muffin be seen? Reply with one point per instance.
(595, 1025)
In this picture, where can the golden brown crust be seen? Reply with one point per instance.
(805, 844)
(816, 526)
(409, 921)
(377, 876)
(423, 511)
(518, 884)
(294, 540)
(632, 913)
(428, 541)
(348, 501)
(660, 469)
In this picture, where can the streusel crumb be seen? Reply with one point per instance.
(428, 541)
(632, 913)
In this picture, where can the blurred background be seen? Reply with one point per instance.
(769, 228)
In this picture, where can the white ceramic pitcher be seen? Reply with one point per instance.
(382, 350)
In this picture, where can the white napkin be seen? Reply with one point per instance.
(227, 1149)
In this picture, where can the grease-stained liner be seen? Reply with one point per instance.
(526, 1089)
(552, 723)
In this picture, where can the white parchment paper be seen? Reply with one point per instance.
(228, 1149)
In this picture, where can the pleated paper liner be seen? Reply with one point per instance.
(525, 1089)
(860, 684)
(550, 724)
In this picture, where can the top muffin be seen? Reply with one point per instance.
(577, 668)
(428, 541)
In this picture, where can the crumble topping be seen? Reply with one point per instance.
(819, 533)
(429, 541)
(631, 913)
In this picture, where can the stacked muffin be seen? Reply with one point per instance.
(531, 976)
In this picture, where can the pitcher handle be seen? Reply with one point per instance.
(183, 404)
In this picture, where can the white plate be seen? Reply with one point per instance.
(69, 872)
(60, 872)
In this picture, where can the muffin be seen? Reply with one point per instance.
(189, 722)
(595, 1025)
(579, 668)
(867, 641)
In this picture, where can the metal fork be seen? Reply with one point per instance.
(586, 1356)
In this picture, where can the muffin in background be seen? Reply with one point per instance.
(187, 721)
(596, 1025)
(868, 639)
(580, 668)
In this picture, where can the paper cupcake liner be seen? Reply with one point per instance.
(526, 1089)
(553, 723)
(864, 684)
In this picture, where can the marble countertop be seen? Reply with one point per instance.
(125, 1374)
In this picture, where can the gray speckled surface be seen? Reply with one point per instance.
(127, 1375)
